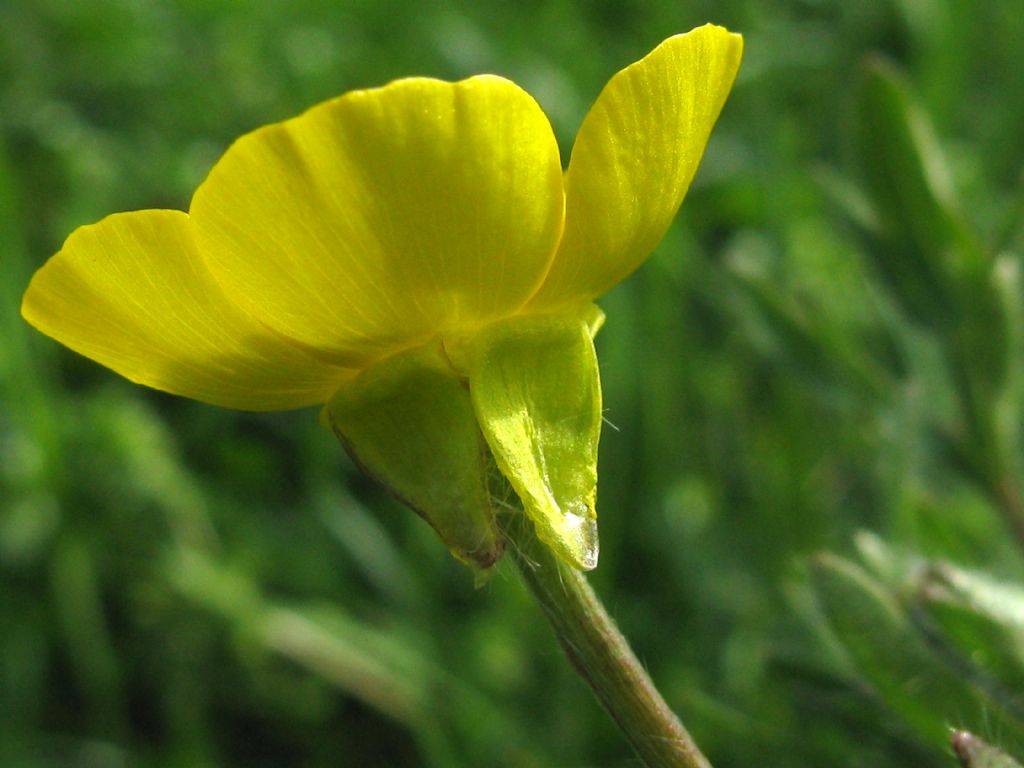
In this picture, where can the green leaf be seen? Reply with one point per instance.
(409, 423)
(1001, 602)
(827, 362)
(881, 642)
(914, 671)
(922, 242)
(925, 250)
(984, 619)
(972, 623)
(537, 394)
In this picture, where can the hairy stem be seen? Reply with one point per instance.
(601, 654)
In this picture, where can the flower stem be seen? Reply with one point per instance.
(600, 653)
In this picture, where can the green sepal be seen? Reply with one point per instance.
(537, 394)
(408, 422)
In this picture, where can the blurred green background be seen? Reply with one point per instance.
(810, 519)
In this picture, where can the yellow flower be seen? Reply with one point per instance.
(413, 257)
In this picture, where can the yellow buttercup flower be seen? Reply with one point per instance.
(414, 258)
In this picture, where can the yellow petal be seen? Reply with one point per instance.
(384, 217)
(132, 293)
(634, 158)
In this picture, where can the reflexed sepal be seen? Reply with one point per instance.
(535, 387)
(409, 423)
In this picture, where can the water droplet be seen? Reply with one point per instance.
(581, 532)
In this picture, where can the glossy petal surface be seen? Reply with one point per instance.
(132, 293)
(634, 158)
(385, 217)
